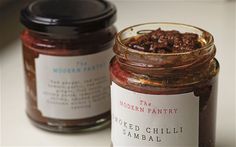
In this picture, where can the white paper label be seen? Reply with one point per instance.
(73, 87)
(141, 120)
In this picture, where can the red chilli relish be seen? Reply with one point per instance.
(67, 49)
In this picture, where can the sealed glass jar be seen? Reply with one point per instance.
(67, 49)
(164, 99)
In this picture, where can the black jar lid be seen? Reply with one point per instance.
(68, 16)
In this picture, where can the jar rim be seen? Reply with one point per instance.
(207, 45)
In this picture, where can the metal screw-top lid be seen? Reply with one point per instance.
(68, 16)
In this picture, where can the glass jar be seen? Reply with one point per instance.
(164, 99)
(66, 53)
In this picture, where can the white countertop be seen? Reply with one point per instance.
(216, 17)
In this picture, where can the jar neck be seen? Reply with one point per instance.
(165, 65)
(94, 41)
(81, 37)
(165, 72)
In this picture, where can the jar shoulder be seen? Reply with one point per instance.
(166, 84)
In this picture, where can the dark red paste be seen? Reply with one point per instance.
(160, 41)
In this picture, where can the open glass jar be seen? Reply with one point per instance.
(164, 99)
(67, 49)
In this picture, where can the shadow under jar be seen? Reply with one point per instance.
(66, 52)
(164, 99)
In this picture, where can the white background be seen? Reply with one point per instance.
(215, 16)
